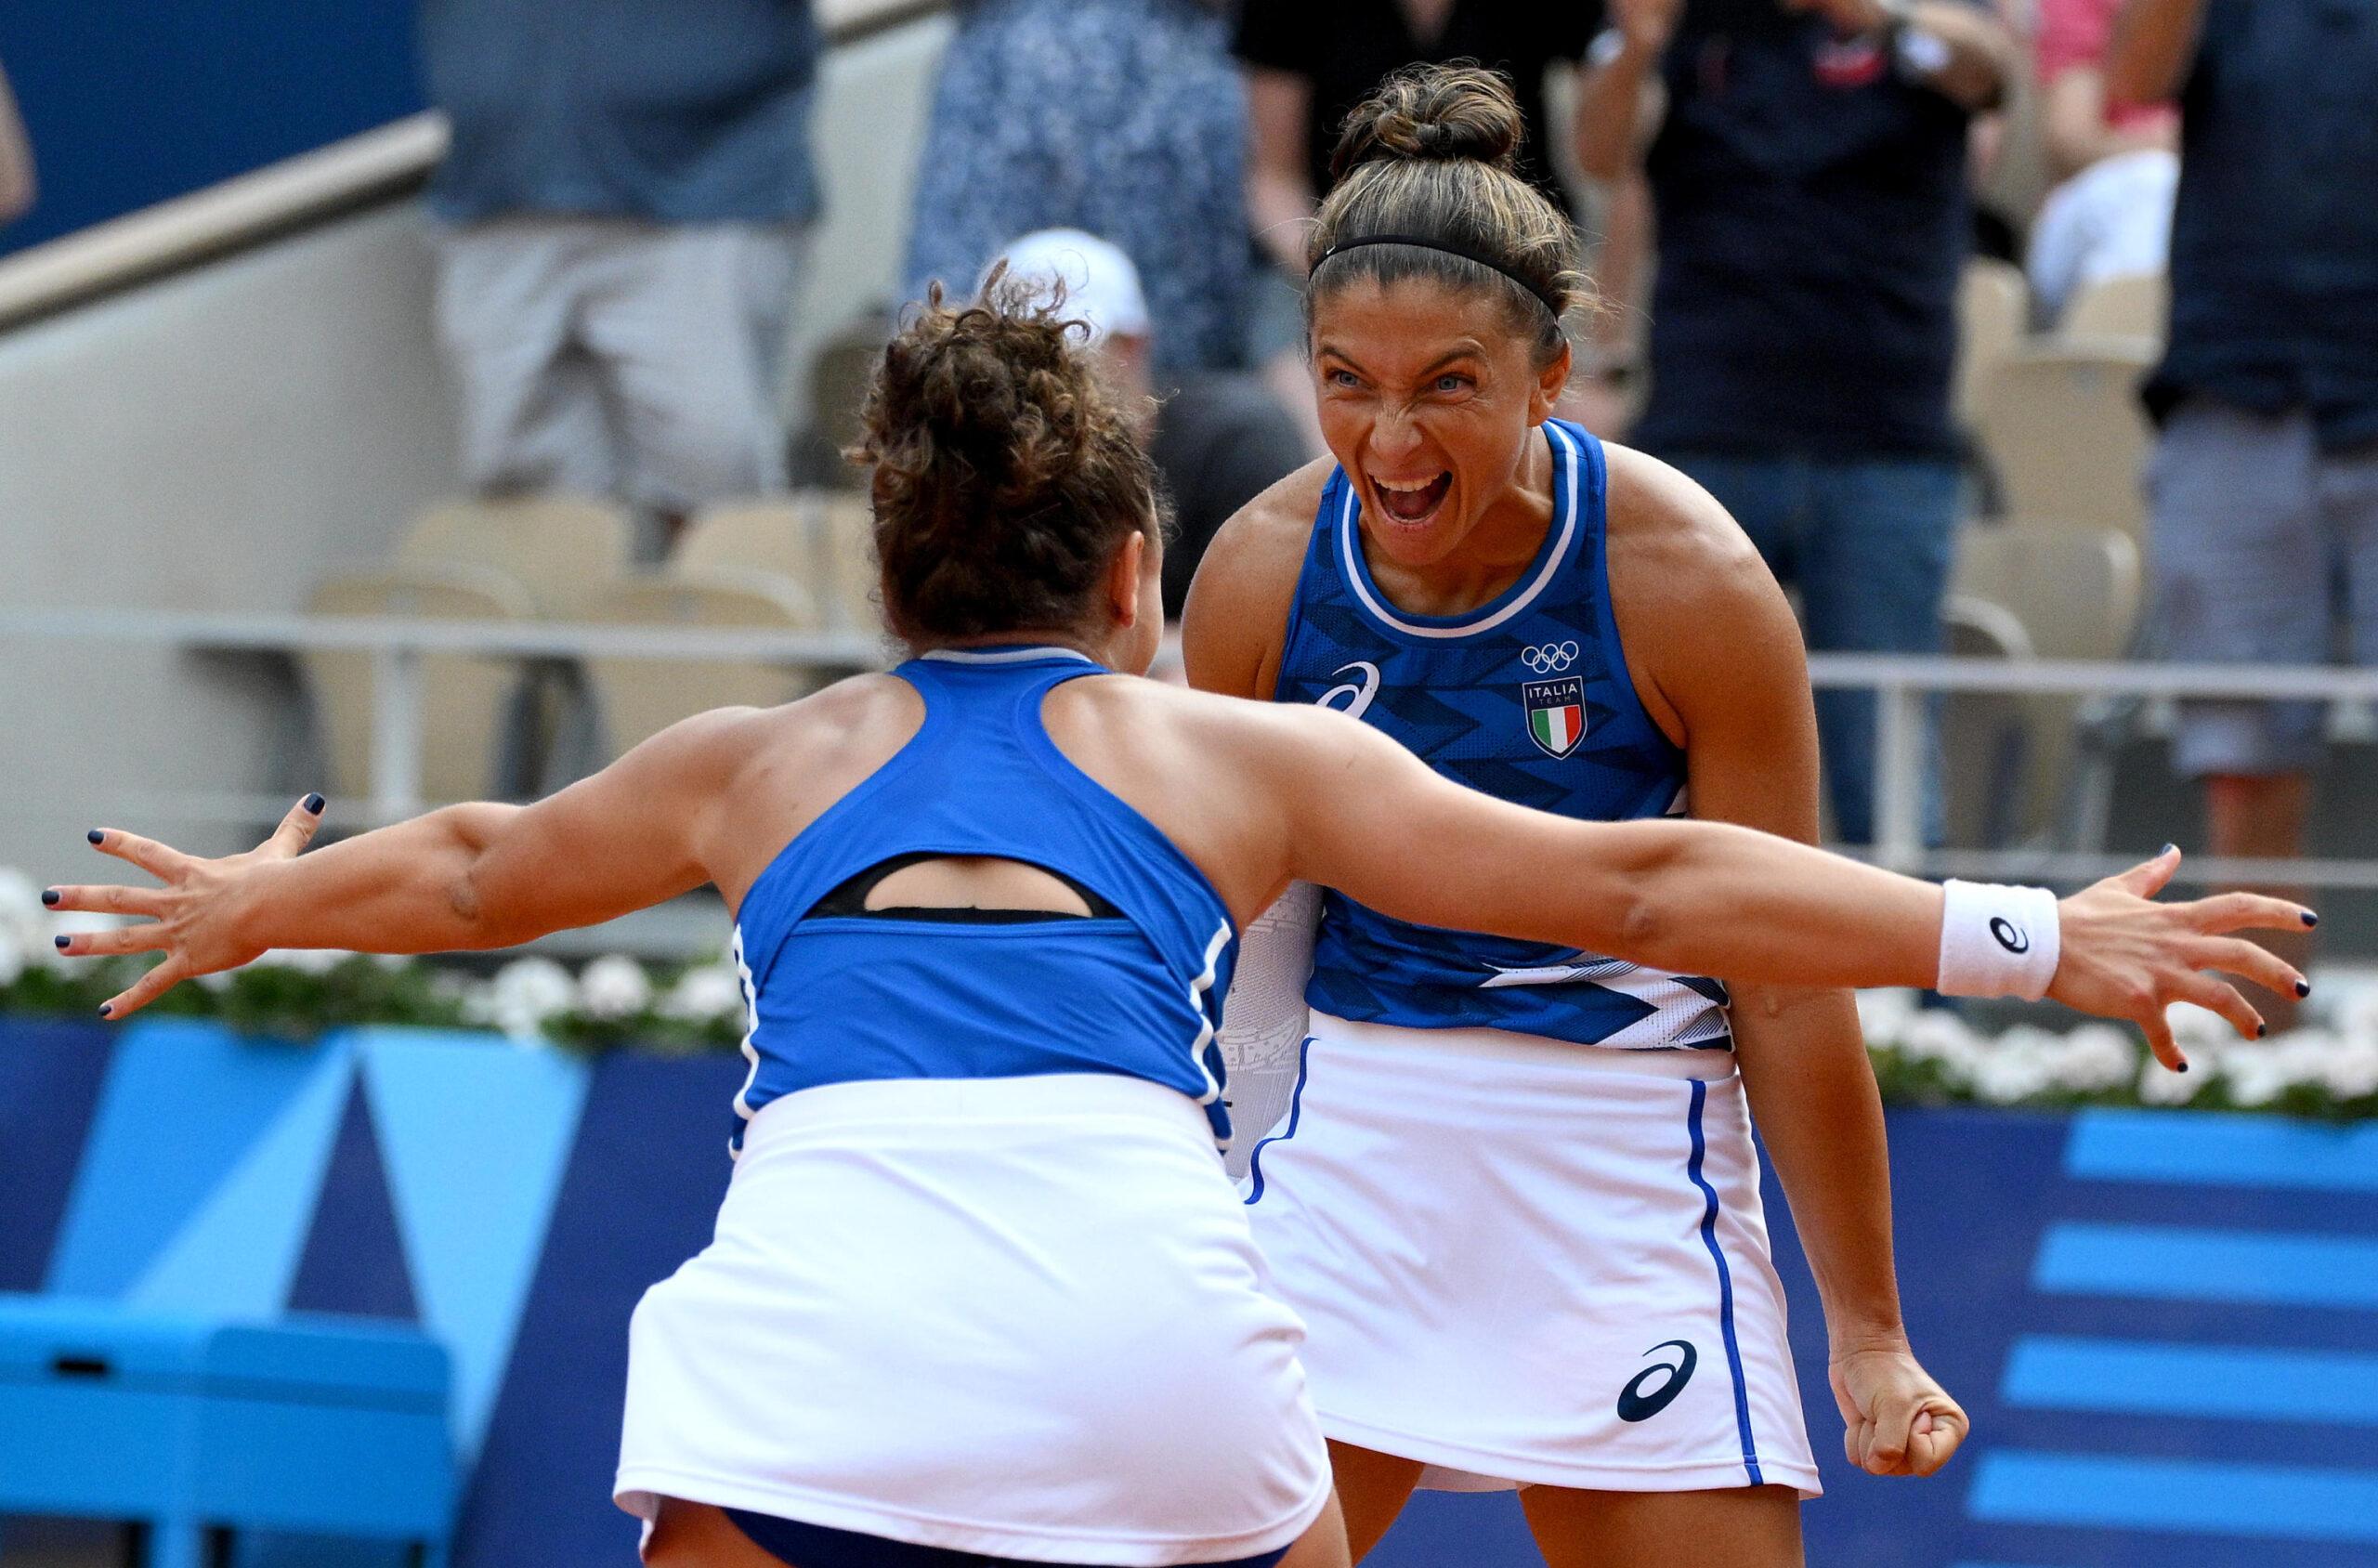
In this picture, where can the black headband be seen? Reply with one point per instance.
(1449, 248)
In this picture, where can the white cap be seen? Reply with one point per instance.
(1101, 286)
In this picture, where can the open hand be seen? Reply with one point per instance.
(193, 917)
(2125, 956)
(1896, 1419)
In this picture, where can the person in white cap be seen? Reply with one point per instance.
(1220, 439)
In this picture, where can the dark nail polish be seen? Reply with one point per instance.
(2262, 1031)
(2311, 919)
(2183, 1068)
(51, 898)
(106, 1008)
(2303, 987)
(95, 836)
(314, 804)
(61, 942)
(2167, 850)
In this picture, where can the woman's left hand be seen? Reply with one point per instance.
(192, 917)
(1897, 1421)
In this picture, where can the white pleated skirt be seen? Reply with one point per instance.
(1015, 1316)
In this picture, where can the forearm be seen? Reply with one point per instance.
(1280, 204)
(1612, 122)
(1982, 59)
(1812, 1093)
(406, 888)
(1709, 898)
(2153, 41)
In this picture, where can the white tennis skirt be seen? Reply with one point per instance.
(1016, 1316)
(1528, 1263)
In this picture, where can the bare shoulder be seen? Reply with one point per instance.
(1237, 612)
(1698, 610)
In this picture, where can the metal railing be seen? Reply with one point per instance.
(378, 166)
(398, 646)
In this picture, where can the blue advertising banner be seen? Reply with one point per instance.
(2164, 1325)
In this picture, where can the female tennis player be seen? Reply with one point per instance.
(979, 1284)
(1515, 1196)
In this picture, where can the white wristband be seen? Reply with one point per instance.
(1998, 941)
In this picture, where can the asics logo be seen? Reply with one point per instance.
(1638, 1402)
(1357, 692)
(1551, 658)
(2012, 937)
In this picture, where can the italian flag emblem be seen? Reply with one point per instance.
(1556, 714)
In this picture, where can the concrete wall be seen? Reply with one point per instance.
(220, 441)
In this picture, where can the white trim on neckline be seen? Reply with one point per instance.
(1003, 655)
(1350, 564)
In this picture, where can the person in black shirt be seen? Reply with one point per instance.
(2265, 480)
(1808, 168)
(1309, 61)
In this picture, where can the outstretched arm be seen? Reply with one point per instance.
(473, 875)
(1706, 898)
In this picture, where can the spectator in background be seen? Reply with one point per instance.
(15, 159)
(1808, 169)
(626, 197)
(1219, 439)
(2264, 485)
(2118, 164)
(1119, 117)
(1310, 62)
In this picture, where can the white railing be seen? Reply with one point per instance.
(379, 165)
(1903, 683)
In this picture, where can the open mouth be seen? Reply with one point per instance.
(1414, 502)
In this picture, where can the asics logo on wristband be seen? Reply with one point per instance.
(1551, 658)
(2010, 936)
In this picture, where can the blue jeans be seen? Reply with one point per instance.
(1868, 543)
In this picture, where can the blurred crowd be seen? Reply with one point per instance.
(1785, 201)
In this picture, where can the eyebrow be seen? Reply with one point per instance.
(1469, 351)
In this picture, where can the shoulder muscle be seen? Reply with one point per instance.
(1237, 618)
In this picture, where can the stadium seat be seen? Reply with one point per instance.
(838, 381)
(775, 535)
(466, 702)
(2065, 434)
(2136, 306)
(559, 549)
(846, 540)
(2076, 594)
(1994, 311)
(1982, 733)
(639, 698)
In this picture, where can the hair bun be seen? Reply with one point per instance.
(1438, 113)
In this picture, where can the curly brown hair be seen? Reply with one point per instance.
(1434, 153)
(1005, 475)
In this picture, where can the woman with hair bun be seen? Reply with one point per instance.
(1514, 1193)
(980, 1292)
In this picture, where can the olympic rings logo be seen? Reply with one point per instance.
(1552, 658)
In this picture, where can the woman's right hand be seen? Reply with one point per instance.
(2125, 956)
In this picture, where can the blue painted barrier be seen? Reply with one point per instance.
(2164, 1325)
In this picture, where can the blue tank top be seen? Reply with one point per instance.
(835, 999)
(1528, 699)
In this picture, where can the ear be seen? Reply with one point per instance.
(1551, 382)
(1123, 579)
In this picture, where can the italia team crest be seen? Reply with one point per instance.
(1556, 714)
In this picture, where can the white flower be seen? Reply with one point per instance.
(2160, 1085)
(523, 995)
(304, 961)
(1883, 1016)
(2196, 1027)
(705, 992)
(21, 915)
(613, 987)
(2095, 1057)
(2014, 1068)
(2254, 1076)
(2349, 1070)
(12, 955)
(1938, 1035)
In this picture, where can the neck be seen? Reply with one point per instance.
(992, 642)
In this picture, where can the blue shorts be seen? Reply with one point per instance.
(814, 1546)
